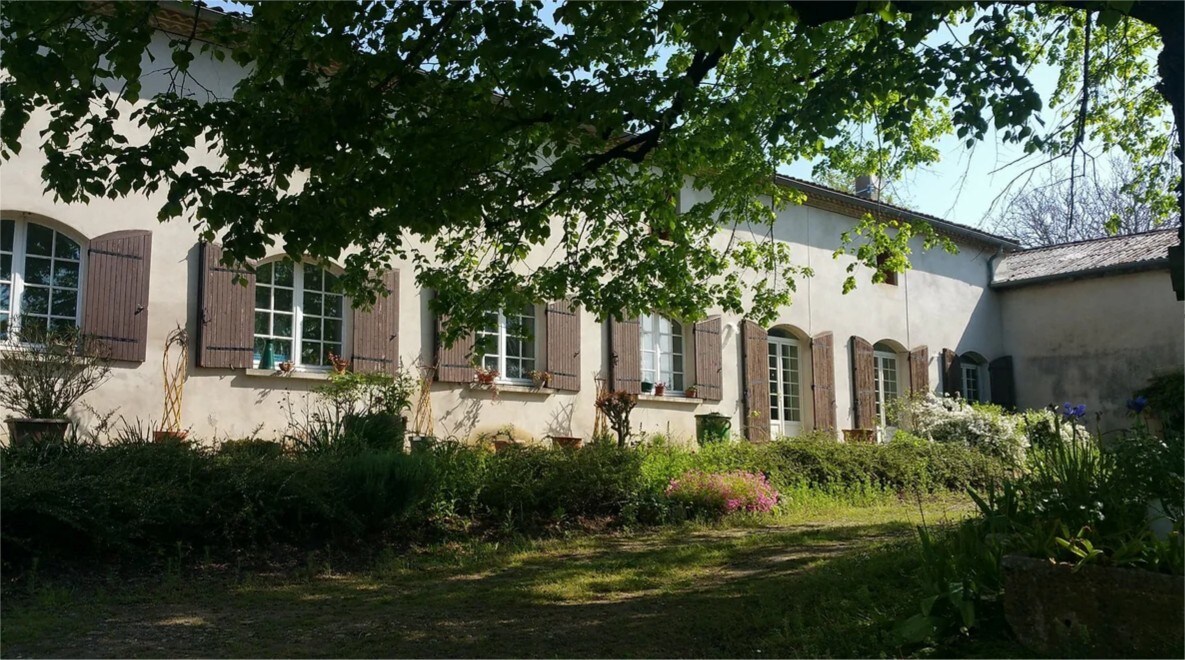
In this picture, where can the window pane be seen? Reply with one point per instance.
(38, 240)
(61, 325)
(37, 270)
(5, 297)
(514, 347)
(333, 306)
(282, 350)
(333, 330)
(259, 341)
(513, 369)
(35, 300)
(6, 267)
(311, 328)
(310, 353)
(283, 299)
(283, 273)
(263, 297)
(326, 349)
(312, 302)
(261, 323)
(4, 326)
(313, 280)
(65, 273)
(282, 325)
(263, 274)
(7, 231)
(65, 248)
(32, 326)
(65, 303)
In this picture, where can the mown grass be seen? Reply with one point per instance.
(819, 579)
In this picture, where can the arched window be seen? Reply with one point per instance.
(299, 311)
(974, 377)
(885, 358)
(40, 278)
(507, 344)
(662, 352)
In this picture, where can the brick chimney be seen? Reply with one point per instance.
(868, 186)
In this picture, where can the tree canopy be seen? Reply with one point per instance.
(465, 136)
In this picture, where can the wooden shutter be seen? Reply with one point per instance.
(863, 383)
(625, 355)
(1002, 382)
(823, 387)
(454, 363)
(755, 380)
(563, 345)
(919, 370)
(952, 374)
(375, 346)
(226, 313)
(708, 358)
(116, 290)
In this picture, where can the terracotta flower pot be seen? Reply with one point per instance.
(566, 442)
(502, 445)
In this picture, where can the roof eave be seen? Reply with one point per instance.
(1117, 269)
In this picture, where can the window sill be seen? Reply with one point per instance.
(292, 375)
(515, 389)
(683, 400)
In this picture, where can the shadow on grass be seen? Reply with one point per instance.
(804, 590)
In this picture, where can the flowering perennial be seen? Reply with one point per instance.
(723, 493)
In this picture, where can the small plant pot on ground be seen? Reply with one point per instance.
(169, 436)
(27, 430)
(1102, 611)
(566, 442)
(502, 445)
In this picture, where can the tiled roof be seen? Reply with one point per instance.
(862, 203)
(1131, 252)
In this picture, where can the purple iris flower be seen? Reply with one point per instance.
(1072, 412)
(1137, 404)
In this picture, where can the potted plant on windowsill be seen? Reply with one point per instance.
(541, 379)
(691, 391)
(339, 364)
(43, 375)
(647, 387)
(660, 389)
(483, 376)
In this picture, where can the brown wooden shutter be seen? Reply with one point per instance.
(375, 346)
(454, 364)
(1002, 382)
(919, 370)
(823, 387)
(863, 383)
(708, 358)
(116, 290)
(952, 374)
(226, 313)
(755, 380)
(563, 345)
(625, 356)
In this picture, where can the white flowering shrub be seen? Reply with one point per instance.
(985, 427)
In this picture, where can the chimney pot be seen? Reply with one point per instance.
(868, 186)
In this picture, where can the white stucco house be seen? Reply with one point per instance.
(1087, 322)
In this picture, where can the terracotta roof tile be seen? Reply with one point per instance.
(1133, 251)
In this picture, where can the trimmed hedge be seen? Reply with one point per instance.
(137, 498)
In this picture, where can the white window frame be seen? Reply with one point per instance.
(971, 368)
(298, 316)
(778, 384)
(17, 284)
(501, 332)
(659, 350)
(879, 360)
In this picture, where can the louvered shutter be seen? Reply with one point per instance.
(708, 359)
(864, 383)
(919, 370)
(454, 363)
(226, 313)
(1002, 381)
(563, 345)
(952, 373)
(375, 346)
(755, 380)
(823, 387)
(116, 309)
(625, 355)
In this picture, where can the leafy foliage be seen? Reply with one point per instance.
(468, 137)
(47, 371)
(718, 494)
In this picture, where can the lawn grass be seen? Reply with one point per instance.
(820, 579)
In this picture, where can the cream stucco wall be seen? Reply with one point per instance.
(942, 303)
(1093, 341)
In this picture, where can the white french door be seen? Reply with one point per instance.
(785, 404)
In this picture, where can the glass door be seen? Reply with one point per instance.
(785, 406)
